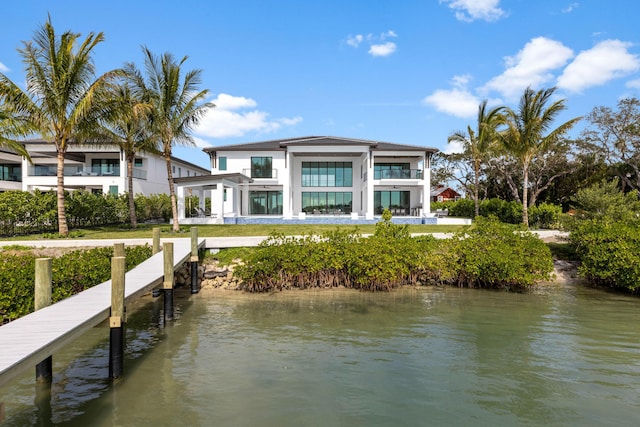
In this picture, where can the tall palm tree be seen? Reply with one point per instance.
(476, 143)
(127, 124)
(528, 133)
(61, 92)
(177, 106)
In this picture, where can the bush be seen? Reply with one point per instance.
(490, 254)
(609, 252)
(71, 273)
(545, 215)
(496, 255)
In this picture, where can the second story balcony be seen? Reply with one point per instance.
(50, 170)
(259, 173)
(398, 174)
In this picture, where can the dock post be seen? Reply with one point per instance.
(154, 250)
(118, 250)
(117, 319)
(167, 284)
(44, 369)
(194, 260)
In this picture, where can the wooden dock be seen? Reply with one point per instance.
(28, 340)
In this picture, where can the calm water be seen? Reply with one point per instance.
(568, 356)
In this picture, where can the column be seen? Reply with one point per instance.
(370, 209)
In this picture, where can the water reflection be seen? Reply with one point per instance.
(415, 357)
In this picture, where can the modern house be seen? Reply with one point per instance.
(91, 167)
(310, 178)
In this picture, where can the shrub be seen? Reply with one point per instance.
(545, 215)
(609, 253)
(496, 255)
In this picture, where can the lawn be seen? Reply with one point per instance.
(224, 230)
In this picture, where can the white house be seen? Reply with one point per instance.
(91, 167)
(300, 179)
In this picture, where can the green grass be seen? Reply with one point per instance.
(225, 230)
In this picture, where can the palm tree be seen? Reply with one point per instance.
(59, 103)
(528, 133)
(477, 143)
(177, 106)
(12, 125)
(128, 125)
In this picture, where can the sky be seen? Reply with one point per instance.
(402, 71)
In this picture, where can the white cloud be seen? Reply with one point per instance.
(355, 40)
(3, 68)
(457, 101)
(571, 7)
(607, 60)
(454, 147)
(377, 44)
(471, 10)
(531, 66)
(384, 49)
(633, 84)
(228, 119)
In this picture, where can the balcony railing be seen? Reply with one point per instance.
(50, 170)
(139, 173)
(398, 174)
(261, 174)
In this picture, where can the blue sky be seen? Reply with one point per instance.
(403, 71)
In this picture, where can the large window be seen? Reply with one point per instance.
(261, 167)
(392, 171)
(10, 172)
(326, 202)
(398, 202)
(265, 202)
(105, 167)
(327, 174)
(222, 163)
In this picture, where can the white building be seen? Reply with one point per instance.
(300, 179)
(97, 168)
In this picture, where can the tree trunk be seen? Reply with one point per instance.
(476, 191)
(63, 230)
(132, 205)
(172, 193)
(525, 193)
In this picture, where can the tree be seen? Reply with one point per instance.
(477, 143)
(615, 136)
(177, 106)
(128, 125)
(60, 101)
(528, 137)
(12, 125)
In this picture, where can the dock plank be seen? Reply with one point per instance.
(30, 339)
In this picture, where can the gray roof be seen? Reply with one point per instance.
(282, 144)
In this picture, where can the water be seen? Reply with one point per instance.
(563, 357)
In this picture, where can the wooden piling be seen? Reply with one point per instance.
(154, 250)
(194, 260)
(156, 240)
(167, 285)
(118, 250)
(43, 278)
(117, 318)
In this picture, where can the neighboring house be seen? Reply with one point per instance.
(96, 168)
(10, 170)
(444, 194)
(312, 177)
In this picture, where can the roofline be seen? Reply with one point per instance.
(283, 143)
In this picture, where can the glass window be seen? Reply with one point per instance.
(261, 167)
(113, 189)
(327, 174)
(105, 167)
(326, 202)
(222, 163)
(391, 171)
(265, 202)
(137, 163)
(396, 201)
